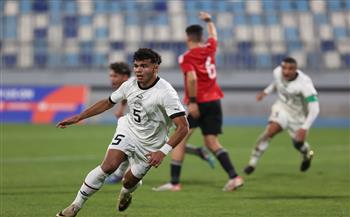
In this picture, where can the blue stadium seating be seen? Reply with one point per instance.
(48, 27)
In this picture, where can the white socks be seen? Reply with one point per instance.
(261, 146)
(93, 182)
(124, 190)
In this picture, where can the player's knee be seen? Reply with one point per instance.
(126, 182)
(271, 133)
(272, 130)
(109, 167)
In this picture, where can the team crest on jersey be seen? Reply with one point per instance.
(138, 104)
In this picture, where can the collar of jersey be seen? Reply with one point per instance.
(146, 88)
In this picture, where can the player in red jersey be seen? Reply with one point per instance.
(202, 96)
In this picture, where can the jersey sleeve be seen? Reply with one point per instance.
(308, 91)
(211, 45)
(185, 64)
(118, 95)
(172, 104)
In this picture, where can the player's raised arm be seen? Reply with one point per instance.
(95, 109)
(206, 17)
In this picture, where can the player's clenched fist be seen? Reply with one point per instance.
(69, 121)
(204, 15)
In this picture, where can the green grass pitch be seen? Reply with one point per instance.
(42, 168)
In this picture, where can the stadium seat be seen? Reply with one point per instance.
(346, 59)
(302, 27)
(101, 6)
(327, 46)
(25, 6)
(272, 19)
(40, 59)
(40, 6)
(69, 7)
(263, 60)
(9, 28)
(334, 5)
(341, 33)
(40, 33)
(160, 6)
(9, 60)
(302, 5)
(72, 60)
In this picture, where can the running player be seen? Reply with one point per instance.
(118, 74)
(142, 134)
(295, 110)
(202, 96)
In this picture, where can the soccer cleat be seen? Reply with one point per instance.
(113, 179)
(305, 165)
(168, 187)
(124, 201)
(249, 170)
(207, 156)
(71, 211)
(233, 184)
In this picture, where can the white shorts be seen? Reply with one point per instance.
(285, 119)
(135, 151)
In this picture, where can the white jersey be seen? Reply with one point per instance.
(294, 95)
(150, 110)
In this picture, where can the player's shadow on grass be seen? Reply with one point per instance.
(297, 197)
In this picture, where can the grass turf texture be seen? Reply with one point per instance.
(42, 168)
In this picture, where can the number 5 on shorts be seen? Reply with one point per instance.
(118, 139)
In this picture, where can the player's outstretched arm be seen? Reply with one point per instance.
(206, 17)
(95, 109)
(182, 128)
(268, 90)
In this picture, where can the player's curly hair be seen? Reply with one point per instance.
(120, 68)
(147, 53)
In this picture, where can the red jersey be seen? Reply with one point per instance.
(202, 61)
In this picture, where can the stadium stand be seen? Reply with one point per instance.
(254, 34)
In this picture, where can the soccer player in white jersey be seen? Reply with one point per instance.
(295, 110)
(118, 74)
(141, 135)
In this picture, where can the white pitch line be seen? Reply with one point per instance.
(50, 159)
